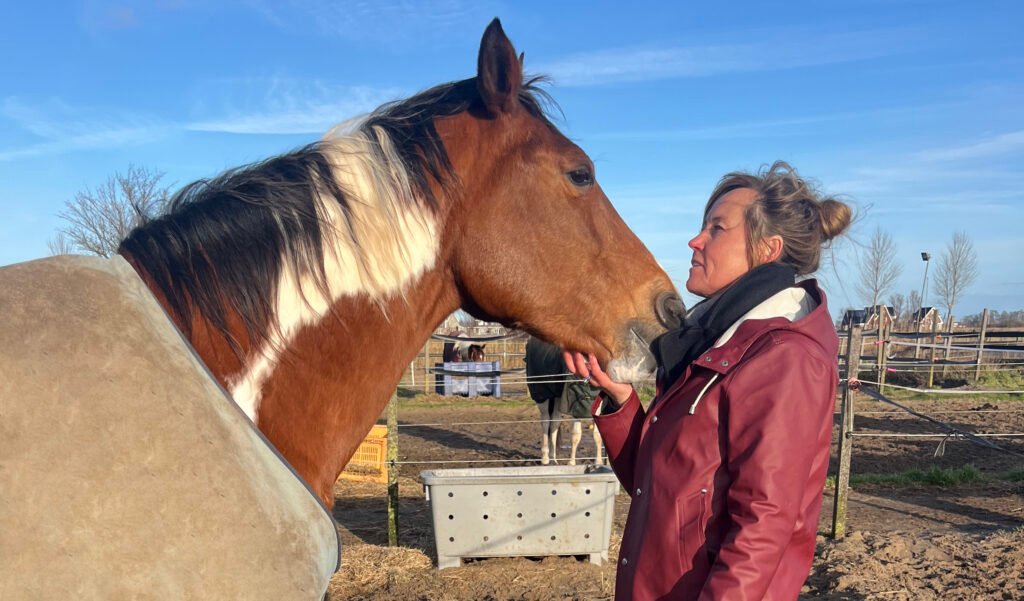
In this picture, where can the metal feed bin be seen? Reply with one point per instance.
(521, 511)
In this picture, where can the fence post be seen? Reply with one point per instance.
(981, 344)
(393, 470)
(935, 352)
(945, 360)
(917, 337)
(845, 430)
(884, 329)
(426, 367)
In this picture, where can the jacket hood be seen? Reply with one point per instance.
(802, 309)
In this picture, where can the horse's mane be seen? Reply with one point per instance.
(223, 243)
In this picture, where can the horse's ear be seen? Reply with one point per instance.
(499, 74)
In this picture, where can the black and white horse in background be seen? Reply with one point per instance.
(556, 394)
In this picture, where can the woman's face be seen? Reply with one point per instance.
(720, 249)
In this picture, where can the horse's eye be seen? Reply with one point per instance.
(581, 177)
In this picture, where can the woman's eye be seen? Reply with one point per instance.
(581, 177)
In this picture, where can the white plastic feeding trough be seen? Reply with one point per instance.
(521, 511)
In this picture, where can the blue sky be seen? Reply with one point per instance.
(911, 110)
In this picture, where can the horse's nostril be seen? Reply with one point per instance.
(670, 309)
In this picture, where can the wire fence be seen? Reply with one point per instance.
(884, 351)
(885, 355)
(568, 377)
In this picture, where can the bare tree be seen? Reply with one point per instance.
(878, 268)
(97, 220)
(898, 302)
(914, 302)
(957, 269)
(59, 245)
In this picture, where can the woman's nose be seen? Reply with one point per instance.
(697, 242)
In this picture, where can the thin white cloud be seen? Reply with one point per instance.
(58, 128)
(782, 126)
(383, 21)
(772, 52)
(1002, 144)
(949, 206)
(900, 177)
(96, 140)
(103, 18)
(282, 105)
(665, 199)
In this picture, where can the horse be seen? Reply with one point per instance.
(550, 386)
(458, 352)
(266, 285)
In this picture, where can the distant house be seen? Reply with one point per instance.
(465, 325)
(868, 317)
(854, 317)
(876, 314)
(927, 319)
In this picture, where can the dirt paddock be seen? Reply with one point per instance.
(905, 542)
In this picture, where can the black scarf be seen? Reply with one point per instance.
(677, 348)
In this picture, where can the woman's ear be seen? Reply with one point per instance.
(771, 249)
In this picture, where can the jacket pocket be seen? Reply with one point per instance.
(692, 513)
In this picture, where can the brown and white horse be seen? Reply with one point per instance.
(281, 273)
(459, 352)
(305, 284)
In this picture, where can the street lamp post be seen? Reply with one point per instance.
(924, 290)
(924, 286)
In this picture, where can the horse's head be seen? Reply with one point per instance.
(534, 241)
(476, 352)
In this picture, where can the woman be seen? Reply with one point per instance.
(727, 465)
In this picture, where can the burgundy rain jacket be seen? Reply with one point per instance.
(726, 468)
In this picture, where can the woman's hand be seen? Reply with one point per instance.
(590, 370)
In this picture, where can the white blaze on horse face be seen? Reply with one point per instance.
(380, 244)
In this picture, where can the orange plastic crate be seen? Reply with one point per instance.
(369, 463)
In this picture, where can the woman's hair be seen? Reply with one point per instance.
(790, 207)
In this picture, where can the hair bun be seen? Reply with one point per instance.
(835, 217)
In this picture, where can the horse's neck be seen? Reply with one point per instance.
(335, 377)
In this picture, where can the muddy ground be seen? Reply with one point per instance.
(903, 542)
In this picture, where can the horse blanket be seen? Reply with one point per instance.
(548, 380)
(126, 472)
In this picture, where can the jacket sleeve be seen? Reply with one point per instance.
(779, 401)
(620, 432)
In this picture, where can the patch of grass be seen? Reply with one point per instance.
(420, 400)
(1002, 380)
(646, 393)
(935, 476)
(956, 377)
